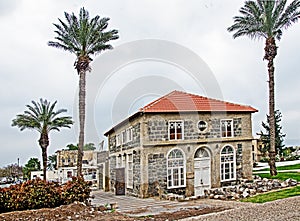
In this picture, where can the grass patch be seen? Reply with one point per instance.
(271, 196)
(282, 176)
(289, 167)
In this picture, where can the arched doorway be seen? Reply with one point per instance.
(202, 171)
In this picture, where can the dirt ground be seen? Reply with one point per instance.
(79, 211)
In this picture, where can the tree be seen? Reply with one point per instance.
(11, 172)
(33, 164)
(88, 146)
(72, 147)
(40, 116)
(266, 19)
(279, 135)
(52, 162)
(83, 37)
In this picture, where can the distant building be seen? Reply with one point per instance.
(94, 167)
(257, 147)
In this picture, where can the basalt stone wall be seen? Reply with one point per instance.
(135, 140)
(112, 172)
(113, 148)
(237, 127)
(136, 174)
(158, 129)
(214, 129)
(239, 162)
(157, 173)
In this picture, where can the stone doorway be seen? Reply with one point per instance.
(202, 170)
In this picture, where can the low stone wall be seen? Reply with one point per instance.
(248, 188)
(245, 189)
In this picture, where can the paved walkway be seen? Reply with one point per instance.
(279, 210)
(152, 206)
(138, 206)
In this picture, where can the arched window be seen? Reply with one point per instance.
(227, 164)
(201, 153)
(176, 169)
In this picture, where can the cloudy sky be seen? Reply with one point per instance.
(158, 41)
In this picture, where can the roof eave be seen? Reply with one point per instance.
(131, 117)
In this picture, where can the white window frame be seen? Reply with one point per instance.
(123, 137)
(118, 161)
(129, 171)
(227, 161)
(176, 166)
(176, 122)
(129, 134)
(118, 140)
(225, 133)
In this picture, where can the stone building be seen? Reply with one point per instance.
(180, 143)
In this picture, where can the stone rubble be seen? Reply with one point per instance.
(245, 189)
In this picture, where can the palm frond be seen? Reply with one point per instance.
(41, 116)
(83, 36)
(264, 18)
(289, 16)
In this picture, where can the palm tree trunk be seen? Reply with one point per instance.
(44, 143)
(82, 92)
(270, 53)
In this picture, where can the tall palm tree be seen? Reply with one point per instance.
(266, 19)
(83, 37)
(41, 117)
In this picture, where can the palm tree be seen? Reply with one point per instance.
(42, 118)
(83, 37)
(266, 19)
(52, 162)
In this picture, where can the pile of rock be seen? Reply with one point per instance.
(245, 189)
(248, 188)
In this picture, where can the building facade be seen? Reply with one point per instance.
(94, 168)
(180, 143)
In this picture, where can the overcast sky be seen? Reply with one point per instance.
(235, 68)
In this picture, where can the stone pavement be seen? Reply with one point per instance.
(152, 206)
(138, 206)
(279, 210)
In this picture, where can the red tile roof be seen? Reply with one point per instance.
(178, 101)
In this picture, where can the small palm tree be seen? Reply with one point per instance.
(83, 37)
(267, 19)
(52, 162)
(42, 118)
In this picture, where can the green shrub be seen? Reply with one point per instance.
(37, 193)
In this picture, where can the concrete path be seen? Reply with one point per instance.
(278, 164)
(279, 171)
